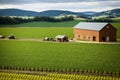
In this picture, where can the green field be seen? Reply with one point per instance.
(102, 57)
(99, 57)
(38, 32)
(44, 29)
(45, 24)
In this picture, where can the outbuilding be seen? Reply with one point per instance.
(93, 31)
(61, 38)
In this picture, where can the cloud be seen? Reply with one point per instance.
(71, 6)
(47, 1)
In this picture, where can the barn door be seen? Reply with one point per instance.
(107, 38)
(103, 39)
(94, 38)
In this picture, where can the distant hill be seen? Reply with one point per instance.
(49, 13)
(17, 12)
(110, 13)
(53, 13)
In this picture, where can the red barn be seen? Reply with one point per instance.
(91, 31)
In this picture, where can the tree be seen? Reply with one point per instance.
(17, 20)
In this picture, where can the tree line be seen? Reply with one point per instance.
(18, 20)
(100, 20)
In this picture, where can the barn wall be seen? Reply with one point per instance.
(108, 31)
(86, 34)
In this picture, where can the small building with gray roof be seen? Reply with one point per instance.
(93, 31)
(61, 38)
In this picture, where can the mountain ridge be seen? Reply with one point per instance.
(53, 13)
(109, 13)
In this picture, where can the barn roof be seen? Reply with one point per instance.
(90, 25)
(60, 36)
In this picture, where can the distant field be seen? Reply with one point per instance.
(39, 32)
(102, 57)
(45, 24)
(116, 18)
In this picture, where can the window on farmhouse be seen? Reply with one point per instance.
(78, 36)
(88, 37)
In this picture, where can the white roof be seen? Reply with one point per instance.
(90, 25)
(1, 35)
(60, 36)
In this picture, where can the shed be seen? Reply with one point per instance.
(61, 38)
(94, 31)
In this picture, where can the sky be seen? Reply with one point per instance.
(69, 5)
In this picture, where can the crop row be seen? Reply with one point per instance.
(52, 76)
(70, 71)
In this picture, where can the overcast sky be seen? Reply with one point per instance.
(70, 5)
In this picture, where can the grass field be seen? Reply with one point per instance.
(45, 24)
(102, 57)
(38, 32)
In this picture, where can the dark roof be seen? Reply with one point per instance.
(90, 25)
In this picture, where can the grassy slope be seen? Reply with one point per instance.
(60, 55)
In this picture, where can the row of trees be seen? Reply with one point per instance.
(18, 20)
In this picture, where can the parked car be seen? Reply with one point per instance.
(1, 36)
(11, 36)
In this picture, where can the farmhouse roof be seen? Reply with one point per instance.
(60, 36)
(90, 25)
